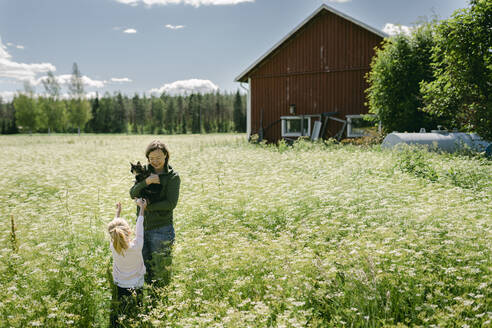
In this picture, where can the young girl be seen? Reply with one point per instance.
(128, 264)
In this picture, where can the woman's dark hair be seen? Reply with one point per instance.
(154, 145)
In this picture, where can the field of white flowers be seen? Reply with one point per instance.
(312, 235)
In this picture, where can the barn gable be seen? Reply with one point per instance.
(319, 67)
(321, 11)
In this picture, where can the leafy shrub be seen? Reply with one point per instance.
(462, 68)
(394, 81)
(254, 138)
(282, 146)
(365, 141)
(413, 160)
(464, 179)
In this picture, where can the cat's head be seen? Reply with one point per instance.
(136, 169)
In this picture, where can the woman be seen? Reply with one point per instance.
(164, 185)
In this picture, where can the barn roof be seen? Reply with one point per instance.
(244, 75)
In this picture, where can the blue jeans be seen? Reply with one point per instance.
(157, 254)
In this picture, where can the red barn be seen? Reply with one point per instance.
(317, 68)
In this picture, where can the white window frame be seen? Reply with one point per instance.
(295, 134)
(350, 134)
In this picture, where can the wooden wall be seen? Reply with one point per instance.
(320, 68)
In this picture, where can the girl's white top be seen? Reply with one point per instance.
(129, 267)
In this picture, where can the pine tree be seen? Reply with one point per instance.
(208, 112)
(218, 113)
(3, 116)
(182, 114)
(147, 115)
(170, 121)
(92, 124)
(157, 110)
(139, 114)
(196, 112)
(239, 119)
(105, 113)
(12, 129)
(119, 115)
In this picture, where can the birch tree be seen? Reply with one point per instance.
(79, 109)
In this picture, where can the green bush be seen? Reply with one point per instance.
(394, 81)
(413, 160)
(462, 65)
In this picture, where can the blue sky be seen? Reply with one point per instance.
(172, 45)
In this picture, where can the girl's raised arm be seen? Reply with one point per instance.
(139, 231)
(118, 210)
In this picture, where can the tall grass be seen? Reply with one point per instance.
(311, 235)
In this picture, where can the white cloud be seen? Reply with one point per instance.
(339, 1)
(10, 44)
(120, 80)
(129, 2)
(187, 86)
(93, 83)
(7, 96)
(67, 96)
(392, 29)
(64, 79)
(3, 52)
(194, 3)
(20, 71)
(174, 27)
(92, 94)
(130, 31)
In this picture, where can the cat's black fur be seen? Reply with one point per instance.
(139, 171)
(142, 172)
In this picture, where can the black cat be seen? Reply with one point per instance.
(142, 172)
(139, 171)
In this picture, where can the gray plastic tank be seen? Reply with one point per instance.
(438, 139)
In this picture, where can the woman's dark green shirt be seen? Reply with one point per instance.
(159, 212)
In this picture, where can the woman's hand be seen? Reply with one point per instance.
(153, 178)
(142, 203)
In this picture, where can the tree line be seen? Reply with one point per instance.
(439, 74)
(118, 113)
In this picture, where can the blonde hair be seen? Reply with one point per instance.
(120, 232)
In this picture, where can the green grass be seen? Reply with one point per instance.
(312, 235)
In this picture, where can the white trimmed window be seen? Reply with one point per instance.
(296, 126)
(357, 126)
